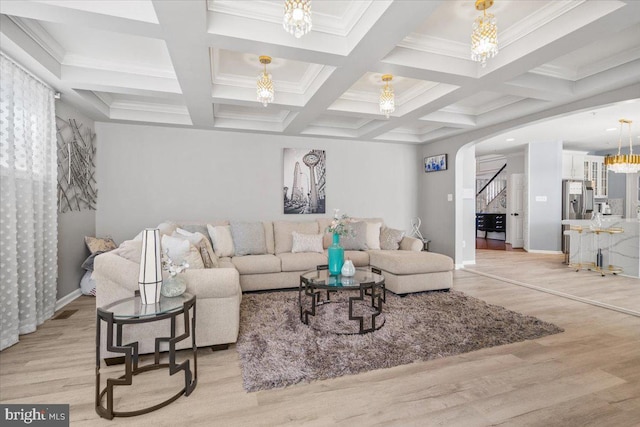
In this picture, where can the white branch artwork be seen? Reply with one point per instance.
(76, 168)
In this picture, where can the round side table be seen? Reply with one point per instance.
(131, 311)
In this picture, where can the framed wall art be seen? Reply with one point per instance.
(435, 163)
(304, 180)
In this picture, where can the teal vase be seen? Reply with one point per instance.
(336, 256)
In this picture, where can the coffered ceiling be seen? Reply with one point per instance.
(195, 62)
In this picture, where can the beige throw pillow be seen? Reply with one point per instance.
(307, 243)
(373, 235)
(96, 244)
(130, 249)
(222, 240)
(201, 242)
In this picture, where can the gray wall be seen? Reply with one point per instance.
(147, 174)
(435, 210)
(73, 226)
(544, 181)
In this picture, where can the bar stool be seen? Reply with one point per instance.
(598, 247)
(611, 267)
(579, 230)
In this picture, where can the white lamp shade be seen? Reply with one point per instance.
(150, 279)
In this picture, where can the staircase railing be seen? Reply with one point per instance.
(491, 180)
(492, 190)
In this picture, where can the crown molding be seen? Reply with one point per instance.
(252, 114)
(608, 63)
(503, 101)
(272, 12)
(149, 107)
(80, 61)
(436, 45)
(536, 21)
(39, 35)
(414, 91)
(327, 123)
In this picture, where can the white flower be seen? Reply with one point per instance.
(168, 265)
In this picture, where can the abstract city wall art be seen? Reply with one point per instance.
(435, 163)
(304, 181)
(76, 166)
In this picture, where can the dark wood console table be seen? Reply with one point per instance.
(491, 222)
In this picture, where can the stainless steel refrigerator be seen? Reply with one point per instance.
(577, 203)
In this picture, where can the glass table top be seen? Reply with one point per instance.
(322, 278)
(130, 308)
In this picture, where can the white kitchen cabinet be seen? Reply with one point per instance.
(596, 171)
(573, 164)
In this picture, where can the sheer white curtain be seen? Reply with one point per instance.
(28, 206)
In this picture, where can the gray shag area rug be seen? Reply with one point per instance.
(276, 349)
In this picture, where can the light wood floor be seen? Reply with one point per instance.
(548, 272)
(588, 375)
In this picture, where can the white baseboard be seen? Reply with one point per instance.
(535, 251)
(469, 262)
(68, 298)
(458, 266)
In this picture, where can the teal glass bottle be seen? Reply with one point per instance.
(336, 256)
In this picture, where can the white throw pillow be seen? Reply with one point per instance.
(307, 243)
(373, 235)
(180, 250)
(222, 240)
(201, 242)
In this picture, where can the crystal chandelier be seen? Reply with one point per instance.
(484, 38)
(297, 17)
(387, 98)
(265, 84)
(624, 163)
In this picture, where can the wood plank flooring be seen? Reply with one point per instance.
(588, 375)
(547, 271)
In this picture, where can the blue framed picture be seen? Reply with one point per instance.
(435, 163)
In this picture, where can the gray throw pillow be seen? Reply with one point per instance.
(248, 238)
(197, 228)
(390, 239)
(357, 241)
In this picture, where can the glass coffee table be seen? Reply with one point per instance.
(316, 287)
(130, 311)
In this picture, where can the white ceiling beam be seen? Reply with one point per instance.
(97, 79)
(183, 25)
(74, 17)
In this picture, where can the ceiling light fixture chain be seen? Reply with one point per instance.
(484, 37)
(297, 17)
(624, 163)
(387, 97)
(265, 84)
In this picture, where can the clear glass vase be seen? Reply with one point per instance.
(173, 286)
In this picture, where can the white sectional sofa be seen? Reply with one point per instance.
(219, 290)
